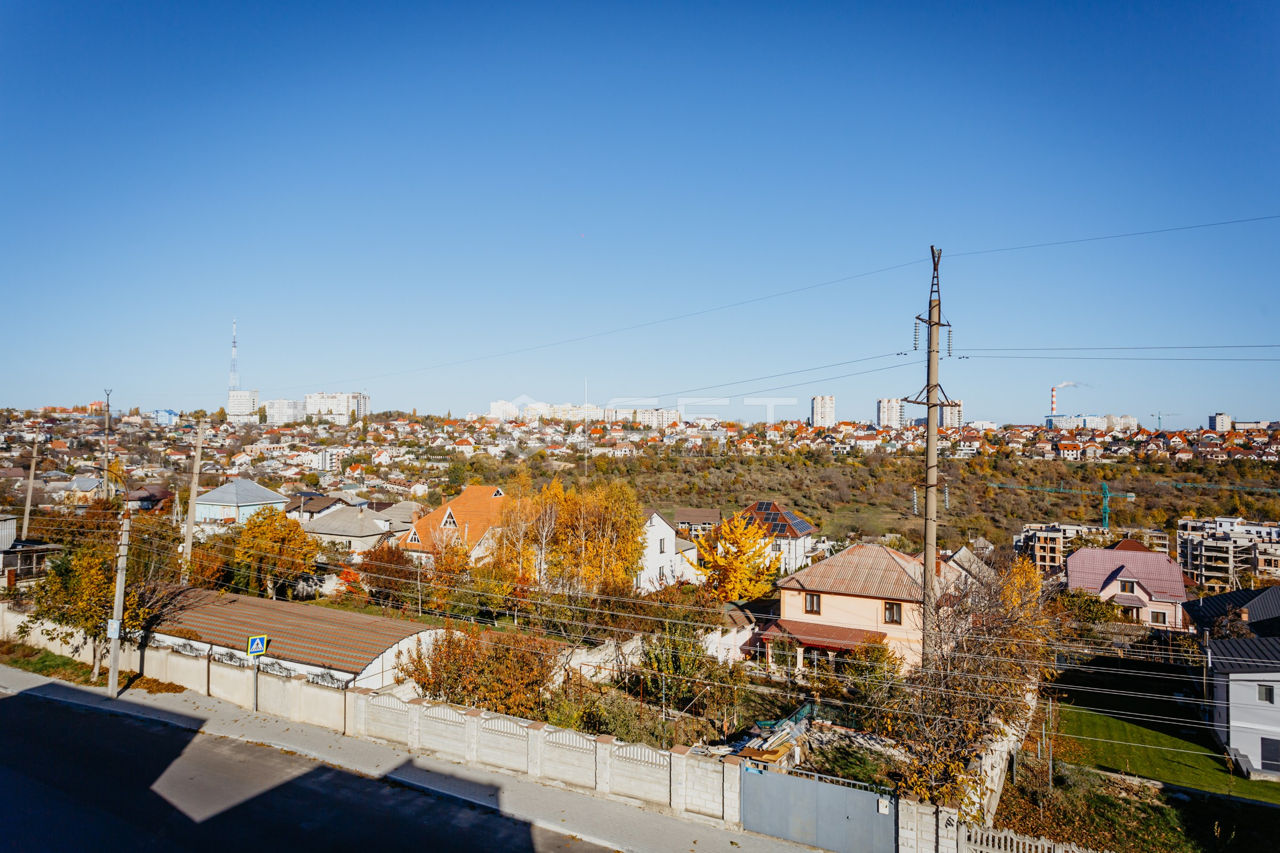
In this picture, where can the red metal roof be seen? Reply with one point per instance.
(303, 633)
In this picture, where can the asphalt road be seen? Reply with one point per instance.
(82, 780)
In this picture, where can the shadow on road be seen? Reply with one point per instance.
(76, 778)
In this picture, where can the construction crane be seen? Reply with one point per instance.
(1160, 416)
(1104, 492)
(1217, 486)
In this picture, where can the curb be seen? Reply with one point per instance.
(141, 712)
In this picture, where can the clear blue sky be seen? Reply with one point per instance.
(377, 189)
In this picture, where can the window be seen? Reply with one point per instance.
(812, 602)
(892, 613)
(777, 547)
(1159, 617)
(1267, 693)
(1270, 754)
(1126, 586)
(662, 546)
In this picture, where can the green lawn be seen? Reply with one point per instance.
(1173, 747)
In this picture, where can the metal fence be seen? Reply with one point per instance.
(977, 839)
(834, 814)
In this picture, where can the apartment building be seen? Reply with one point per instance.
(242, 407)
(337, 408)
(1049, 545)
(891, 413)
(1214, 552)
(280, 412)
(822, 411)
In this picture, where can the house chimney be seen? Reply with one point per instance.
(1244, 613)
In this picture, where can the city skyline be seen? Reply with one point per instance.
(416, 205)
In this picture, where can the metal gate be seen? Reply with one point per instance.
(834, 814)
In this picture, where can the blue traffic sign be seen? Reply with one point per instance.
(258, 645)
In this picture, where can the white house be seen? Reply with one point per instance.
(234, 502)
(791, 535)
(666, 559)
(1246, 718)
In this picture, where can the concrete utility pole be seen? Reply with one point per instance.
(117, 610)
(31, 481)
(191, 505)
(933, 397)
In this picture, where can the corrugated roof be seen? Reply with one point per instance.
(1263, 606)
(303, 633)
(1093, 568)
(241, 493)
(1255, 654)
(872, 571)
(356, 522)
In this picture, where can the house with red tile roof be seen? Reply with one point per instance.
(791, 535)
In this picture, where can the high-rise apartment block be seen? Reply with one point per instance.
(242, 407)
(337, 408)
(823, 411)
(281, 412)
(891, 413)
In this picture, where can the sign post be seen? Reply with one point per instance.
(256, 649)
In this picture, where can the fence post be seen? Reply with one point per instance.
(604, 762)
(732, 790)
(535, 741)
(679, 766)
(471, 733)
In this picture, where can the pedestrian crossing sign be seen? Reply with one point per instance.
(258, 645)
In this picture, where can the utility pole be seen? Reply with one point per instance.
(31, 481)
(117, 610)
(934, 399)
(191, 504)
(107, 421)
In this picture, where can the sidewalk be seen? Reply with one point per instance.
(600, 821)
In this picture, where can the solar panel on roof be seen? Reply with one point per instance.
(779, 527)
(762, 506)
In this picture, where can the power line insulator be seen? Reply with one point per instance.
(915, 344)
(948, 342)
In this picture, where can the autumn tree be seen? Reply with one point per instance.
(992, 648)
(273, 548)
(466, 666)
(737, 560)
(391, 575)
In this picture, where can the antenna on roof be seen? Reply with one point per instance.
(234, 379)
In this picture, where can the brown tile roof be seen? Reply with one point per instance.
(871, 571)
(474, 511)
(303, 633)
(822, 636)
(1093, 569)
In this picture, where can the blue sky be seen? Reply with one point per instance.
(420, 200)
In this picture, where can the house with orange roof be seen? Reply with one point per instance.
(474, 517)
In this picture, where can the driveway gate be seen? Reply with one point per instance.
(822, 811)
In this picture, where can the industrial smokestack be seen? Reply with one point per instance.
(1053, 400)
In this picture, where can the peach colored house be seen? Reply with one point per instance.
(863, 594)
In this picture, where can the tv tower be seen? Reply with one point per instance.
(234, 384)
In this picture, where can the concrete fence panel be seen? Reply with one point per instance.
(388, 718)
(321, 706)
(642, 772)
(442, 729)
(504, 742)
(232, 683)
(569, 757)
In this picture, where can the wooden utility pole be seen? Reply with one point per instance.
(31, 481)
(191, 505)
(114, 627)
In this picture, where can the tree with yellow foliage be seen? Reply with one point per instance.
(737, 559)
(272, 548)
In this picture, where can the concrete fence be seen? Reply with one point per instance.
(675, 780)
